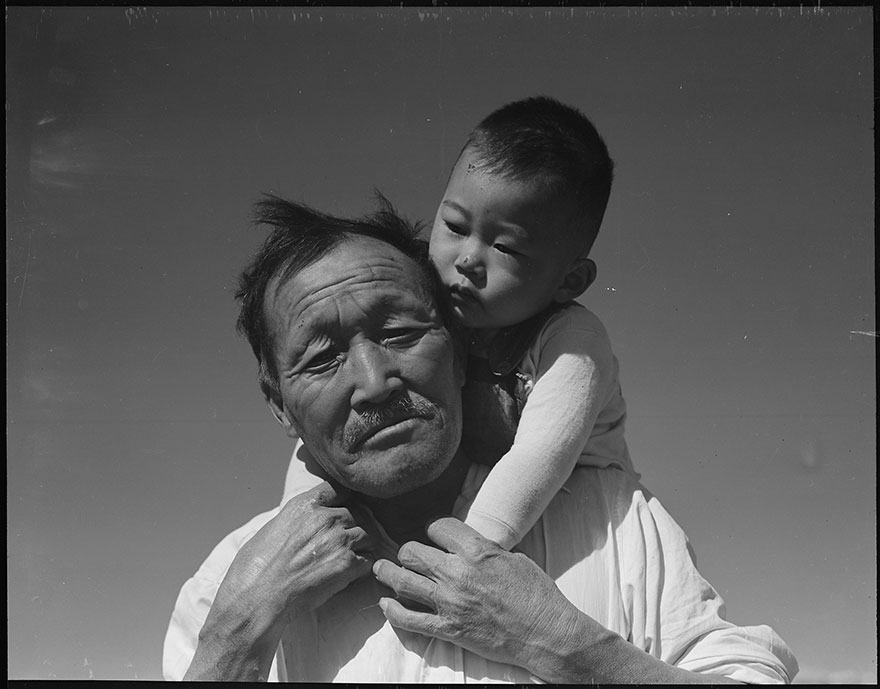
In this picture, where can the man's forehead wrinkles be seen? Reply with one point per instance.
(299, 282)
(369, 291)
(351, 290)
(358, 282)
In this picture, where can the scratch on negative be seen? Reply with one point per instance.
(27, 263)
(647, 259)
(869, 333)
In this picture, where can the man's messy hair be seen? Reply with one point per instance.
(540, 140)
(300, 236)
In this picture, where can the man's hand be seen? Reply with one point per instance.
(502, 606)
(497, 604)
(307, 553)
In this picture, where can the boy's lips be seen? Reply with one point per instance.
(463, 293)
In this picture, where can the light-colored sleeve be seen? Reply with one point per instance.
(303, 472)
(196, 597)
(761, 656)
(574, 379)
(676, 615)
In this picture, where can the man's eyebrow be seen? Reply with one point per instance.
(456, 207)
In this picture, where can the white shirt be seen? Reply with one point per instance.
(612, 549)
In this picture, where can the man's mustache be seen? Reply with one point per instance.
(369, 422)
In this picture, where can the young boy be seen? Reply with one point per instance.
(511, 241)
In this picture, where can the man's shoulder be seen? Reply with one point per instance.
(197, 595)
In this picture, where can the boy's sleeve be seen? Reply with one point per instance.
(575, 375)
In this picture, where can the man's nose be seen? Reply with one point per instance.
(376, 375)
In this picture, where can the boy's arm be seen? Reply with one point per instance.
(575, 375)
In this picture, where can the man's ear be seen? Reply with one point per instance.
(575, 282)
(276, 406)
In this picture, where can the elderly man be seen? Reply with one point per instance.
(357, 358)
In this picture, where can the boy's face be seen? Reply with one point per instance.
(502, 247)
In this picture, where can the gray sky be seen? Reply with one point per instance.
(736, 278)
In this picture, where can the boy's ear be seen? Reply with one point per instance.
(276, 406)
(580, 276)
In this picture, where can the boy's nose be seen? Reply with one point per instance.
(469, 263)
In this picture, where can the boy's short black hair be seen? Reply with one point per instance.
(542, 140)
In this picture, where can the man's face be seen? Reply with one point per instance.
(366, 369)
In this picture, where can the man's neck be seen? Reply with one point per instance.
(404, 517)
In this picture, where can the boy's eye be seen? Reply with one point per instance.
(504, 249)
(455, 229)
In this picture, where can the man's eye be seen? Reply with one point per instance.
(321, 362)
(400, 336)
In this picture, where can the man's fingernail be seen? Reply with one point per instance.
(383, 604)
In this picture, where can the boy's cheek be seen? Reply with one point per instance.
(440, 252)
(439, 261)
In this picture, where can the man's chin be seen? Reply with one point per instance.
(398, 470)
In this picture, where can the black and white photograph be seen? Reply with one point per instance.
(441, 344)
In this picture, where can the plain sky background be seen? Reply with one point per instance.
(736, 278)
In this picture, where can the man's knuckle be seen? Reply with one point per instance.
(451, 630)
(484, 552)
(353, 560)
(391, 580)
(325, 526)
(339, 566)
(345, 519)
(458, 572)
(406, 554)
(334, 533)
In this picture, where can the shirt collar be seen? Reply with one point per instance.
(385, 546)
(509, 345)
